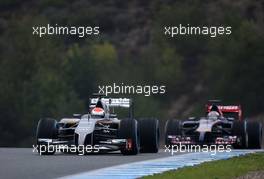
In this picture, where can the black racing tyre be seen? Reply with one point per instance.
(254, 131)
(239, 130)
(172, 127)
(129, 130)
(46, 129)
(149, 135)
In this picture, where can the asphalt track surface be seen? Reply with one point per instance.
(23, 163)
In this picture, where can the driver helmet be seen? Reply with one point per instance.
(216, 109)
(98, 112)
(213, 115)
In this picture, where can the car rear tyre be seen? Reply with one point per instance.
(129, 130)
(254, 130)
(46, 129)
(149, 135)
(172, 127)
(239, 130)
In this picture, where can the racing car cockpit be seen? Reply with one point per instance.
(98, 112)
(215, 108)
(213, 115)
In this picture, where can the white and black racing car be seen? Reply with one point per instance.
(223, 125)
(100, 129)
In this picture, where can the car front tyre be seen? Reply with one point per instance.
(149, 135)
(46, 129)
(254, 130)
(129, 130)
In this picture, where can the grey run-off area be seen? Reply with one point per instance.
(23, 163)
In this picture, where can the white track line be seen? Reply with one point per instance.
(150, 167)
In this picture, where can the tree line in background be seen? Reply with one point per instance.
(54, 76)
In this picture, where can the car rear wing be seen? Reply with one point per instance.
(227, 110)
(115, 102)
(112, 102)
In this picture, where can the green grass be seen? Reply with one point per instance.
(222, 169)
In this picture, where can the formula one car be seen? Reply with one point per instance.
(223, 125)
(101, 130)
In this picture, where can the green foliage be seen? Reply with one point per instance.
(234, 67)
(149, 107)
(105, 58)
(105, 54)
(54, 76)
